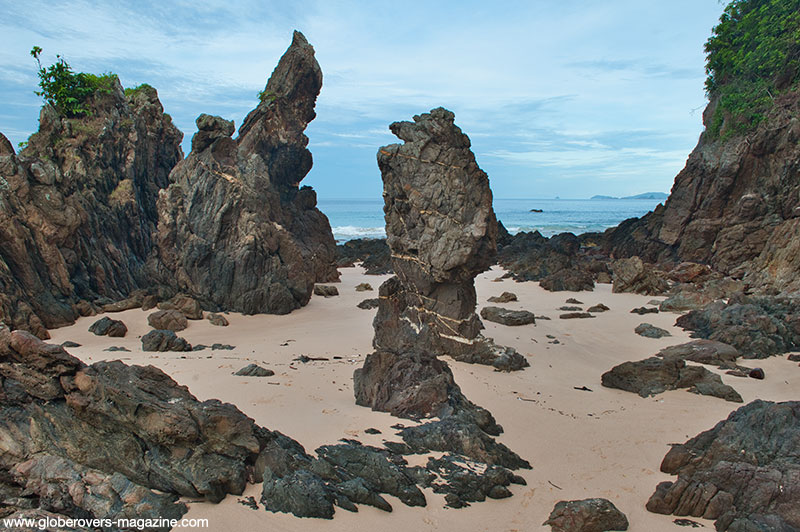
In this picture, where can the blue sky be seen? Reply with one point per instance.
(567, 98)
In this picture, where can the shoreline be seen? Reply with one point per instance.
(605, 443)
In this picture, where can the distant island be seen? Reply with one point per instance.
(645, 195)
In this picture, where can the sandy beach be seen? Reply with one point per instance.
(599, 443)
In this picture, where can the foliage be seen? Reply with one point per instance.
(752, 55)
(130, 92)
(67, 91)
(266, 96)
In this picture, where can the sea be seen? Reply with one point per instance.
(363, 218)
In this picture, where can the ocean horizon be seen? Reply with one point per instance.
(363, 218)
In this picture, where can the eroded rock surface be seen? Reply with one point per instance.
(743, 473)
(235, 229)
(588, 515)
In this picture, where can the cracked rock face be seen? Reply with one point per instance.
(235, 229)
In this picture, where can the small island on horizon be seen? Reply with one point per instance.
(644, 195)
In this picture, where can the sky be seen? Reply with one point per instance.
(568, 98)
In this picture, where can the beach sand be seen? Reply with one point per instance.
(604, 443)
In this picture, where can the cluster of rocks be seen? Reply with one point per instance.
(98, 209)
(372, 253)
(743, 473)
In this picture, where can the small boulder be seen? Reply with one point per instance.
(651, 331)
(588, 515)
(507, 317)
(575, 315)
(505, 297)
(70, 343)
(368, 304)
(218, 319)
(254, 370)
(573, 301)
(756, 373)
(325, 290)
(644, 310)
(598, 308)
(569, 308)
(163, 340)
(363, 287)
(187, 305)
(170, 320)
(108, 327)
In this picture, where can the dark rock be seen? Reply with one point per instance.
(250, 502)
(655, 375)
(373, 253)
(188, 306)
(223, 347)
(250, 190)
(116, 348)
(505, 297)
(569, 308)
(742, 473)
(598, 308)
(687, 522)
(372, 431)
(695, 296)
(254, 370)
(641, 311)
(133, 301)
(575, 315)
(108, 327)
(170, 320)
(218, 319)
(79, 207)
(368, 304)
(757, 326)
(588, 515)
(325, 291)
(756, 373)
(573, 301)
(571, 280)
(632, 275)
(463, 484)
(651, 331)
(794, 358)
(704, 352)
(507, 317)
(363, 287)
(70, 343)
(162, 340)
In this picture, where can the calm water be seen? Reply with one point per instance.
(364, 218)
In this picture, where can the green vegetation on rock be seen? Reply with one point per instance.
(66, 90)
(143, 88)
(752, 55)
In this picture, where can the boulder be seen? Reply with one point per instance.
(651, 331)
(598, 308)
(107, 327)
(325, 290)
(254, 370)
(587, 515)
(505, 297)
(575, 315)
(373, 253)
(641, 311)
(163, 340)
(743, 473)
(170, 320)
(363, 287)
(368, 304)
(633, 275)
(507, 317)
(217, 319)
(188, 306)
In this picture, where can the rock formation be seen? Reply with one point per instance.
(743, 473)
(78, 207)
(735, 206)
(235, 229)
(587, 515)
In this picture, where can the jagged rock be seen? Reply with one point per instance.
(325, 291)
(598, 308)
(188, 306)
(632, 275)
(254, 370)
(694, 296)
(651, 331)
(571, 280)
(573, 301)
(704, 352)
(505, 297)
(757, 326)
(641, 311)
(256, 242)
(655, 375)
(218, 319)
(587, 515)
(108, 327)
(363, 287)
(575, 315)
(163, 340)
(79, 207)
(170, 320)
(368, 304)
(507, 317)
(373, 253)
(743, 473)
(133, 301)
(462, 482)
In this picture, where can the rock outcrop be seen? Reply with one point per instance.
(235, 229)
(78, 207)
(587, 515)
(743, 473)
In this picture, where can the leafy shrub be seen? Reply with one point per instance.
(66, 90)
(752, 55)
(138, 89)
